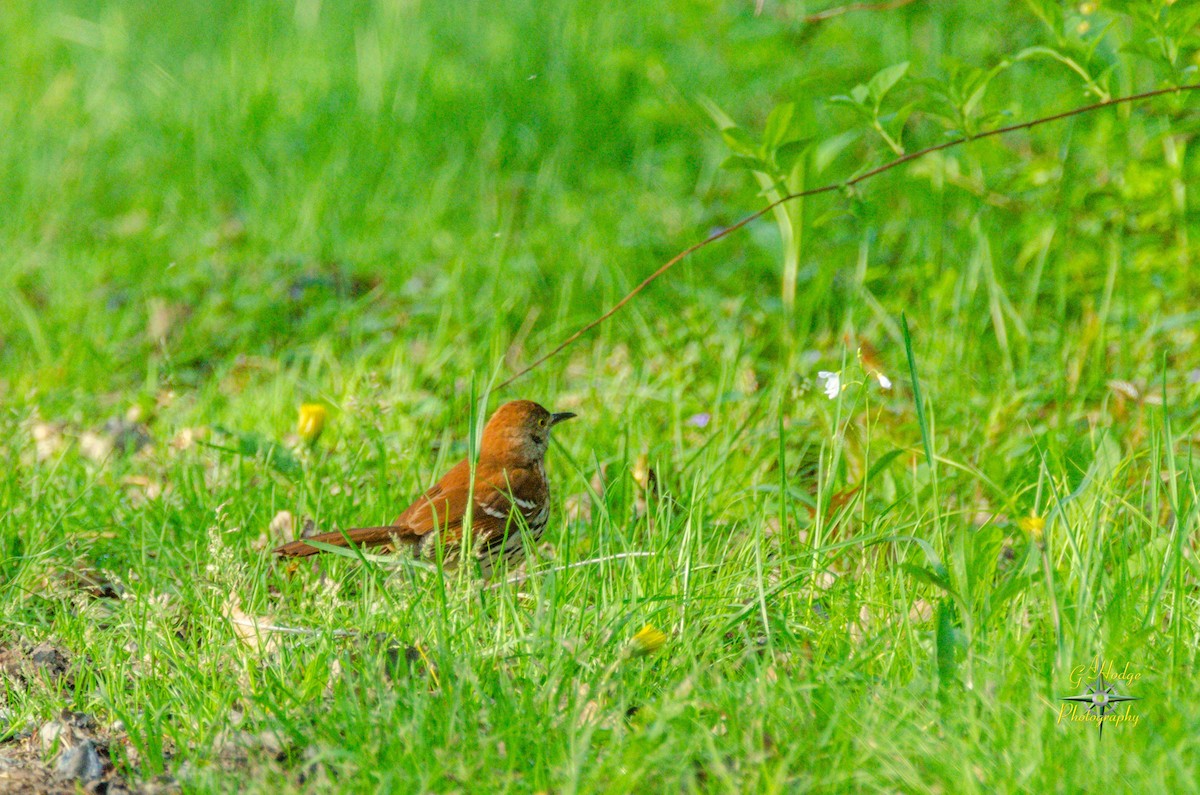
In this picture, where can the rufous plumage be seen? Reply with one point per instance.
(510, 493)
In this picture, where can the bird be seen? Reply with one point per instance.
(509, 482)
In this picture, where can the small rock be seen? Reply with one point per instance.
(185, 770)
(47, 439)
(67, 731)
(46, 656)
(239, 745)
(162, 785)
(81, 762)
(94, 446)
(55, 732)
(127, 436)
(270, 743)
(281, 526)
(80, 720)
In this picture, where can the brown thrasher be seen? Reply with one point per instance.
(510, 478)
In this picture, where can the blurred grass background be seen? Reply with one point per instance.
(294, 171)
(214, 212)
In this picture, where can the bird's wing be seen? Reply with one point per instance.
(441, 507)
(444, 506)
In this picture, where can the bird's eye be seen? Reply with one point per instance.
(542, 422)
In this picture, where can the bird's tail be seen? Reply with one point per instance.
(358, 536)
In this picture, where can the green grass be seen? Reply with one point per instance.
(216, 212)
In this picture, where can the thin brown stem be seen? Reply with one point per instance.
(666, 266)
(830, 13)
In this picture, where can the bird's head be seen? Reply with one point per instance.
(519, 432)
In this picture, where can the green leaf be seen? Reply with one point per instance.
(789, 153)
(1050, 12)
(1070, 63)
(778, 122)
(976, 97)
(859, 94)
(899, 118)
(830, 148)
(861, 110)
(714, 111)
(744, 163)
(1181, 20)
(1100, 36)
(947, 643)
(916, 386)
(1142, 49)
(885, 79)
(739, 141)
(986, 548)
(1013, 586)
(881, 463)
(775, 189)
(927, 576)
(1040, 50)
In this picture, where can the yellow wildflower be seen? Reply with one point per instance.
(312, 422)
(648, 640)
(1033, 524)
(641, 470)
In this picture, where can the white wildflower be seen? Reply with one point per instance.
(831, 383)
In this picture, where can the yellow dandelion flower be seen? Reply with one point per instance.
(641, 470)
(1033, 524)
(648, 640)
(312, 422)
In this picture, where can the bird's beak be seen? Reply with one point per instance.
(561, 416)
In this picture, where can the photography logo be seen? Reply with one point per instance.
(1101, 700)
